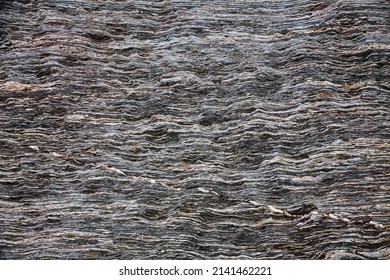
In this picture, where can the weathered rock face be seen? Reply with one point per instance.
(194, 129)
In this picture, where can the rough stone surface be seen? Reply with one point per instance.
(195, 129)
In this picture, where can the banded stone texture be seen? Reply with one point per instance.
(190, 129)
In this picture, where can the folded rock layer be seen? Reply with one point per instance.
(194, 129)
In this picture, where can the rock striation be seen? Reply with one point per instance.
(195, 129)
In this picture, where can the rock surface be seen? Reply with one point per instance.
(195, 129)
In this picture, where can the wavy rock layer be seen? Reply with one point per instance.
(194, 129)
